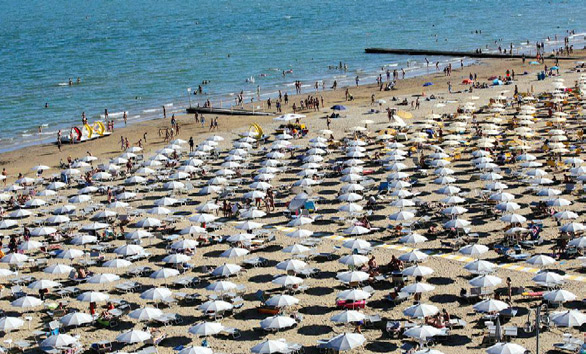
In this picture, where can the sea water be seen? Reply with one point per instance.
(138, 56)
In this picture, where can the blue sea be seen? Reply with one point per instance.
(137, 56)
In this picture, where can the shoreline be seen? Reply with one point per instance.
(19, 161)
(179, 104)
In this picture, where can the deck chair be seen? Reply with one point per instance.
(383, 187)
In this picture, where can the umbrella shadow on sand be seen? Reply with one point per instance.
(213, 254)
(440, 281)
(319, 291)
(316, 310)
(172, 342)
(261, 278)
(455, 340)
(249, 314)
(315, 330)
(381, 347)
(444, 298)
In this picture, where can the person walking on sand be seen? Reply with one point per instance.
(190, 144)
(509, 290)
(125, 117)
(122, 143)
(164, 112)
(105, 114)
(328, 122)
(203, 121)
(5, 175)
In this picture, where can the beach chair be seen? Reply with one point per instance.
(310, 206)
(17, 291)
(383, 188)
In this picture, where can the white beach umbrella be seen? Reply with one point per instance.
(206, 328)
(215, 306)
(164, 273)
(117, 263)
(490, 306)
(559, 296)
(548, 279)
(270, 347)
(103, 278)
(418, 287)
(357, 244)
(353, 276)
(346, 341)
(277, 322)
(14, 258)
(26, 302)
(485, 281)
(480, 267)
(420, 311)
(296, 249)
(222, 286)
(58, 269)
(43, 284)
(356, 230)
(417, 270)
(281, 300)
(413, 256)
(249, 225)
(8, 324)
(226, 270)
(570, 318)
(294, 265)
(149, 222)
(146, 314)
(413, 238)
(60, 340)
(299, 233)
(353, 260)
(76, 319)
(474, 250)
(541, 260)
(348, 316)
(506, 348)
(129, 250)
(29, 245)
(93, 296)
(133, 336)
(71, 253)
(156, 294)
(421, 332)
(184, 244)
(234, 252)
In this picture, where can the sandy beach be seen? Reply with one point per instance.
(317, 304)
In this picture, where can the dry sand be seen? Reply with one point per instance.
(317, 304)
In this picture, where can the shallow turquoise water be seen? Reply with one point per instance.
(138, 55)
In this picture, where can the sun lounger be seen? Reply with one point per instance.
(187, 282)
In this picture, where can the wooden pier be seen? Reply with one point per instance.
(228, 111)
(448, 53)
